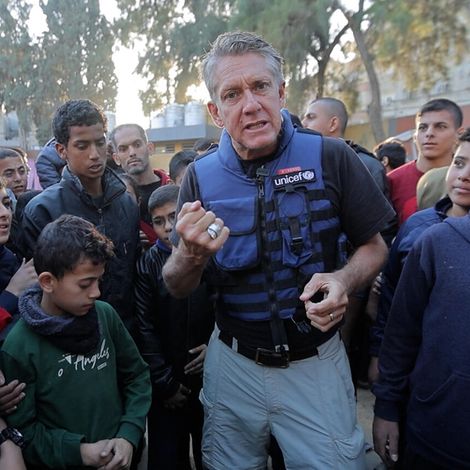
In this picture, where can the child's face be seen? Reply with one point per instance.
(436, 135)
(163, 220)
(458, 178)
(75, 292)
(5, 216)
(15, 173)
(85, 152)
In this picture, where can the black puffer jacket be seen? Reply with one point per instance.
(116, 215)
(169, 327)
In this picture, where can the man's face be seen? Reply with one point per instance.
(248, 103)
(318, 118)
(132, 152)
(163, 220)
(15, 173)
(85, 152)
(5, 216)
(436, 135)
(75, 292)
(458, 178)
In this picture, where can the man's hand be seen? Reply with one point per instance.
(144, 240)
(25, 277)
(10, 395)
(120, 450)
(192, 224)
(325, 313)
(197, 364)
(91, 453)
(386, 440)
(179, 399)
(183, 271)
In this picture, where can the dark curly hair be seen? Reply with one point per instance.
(76, 113)
(68, 240)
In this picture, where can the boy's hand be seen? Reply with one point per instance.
(386, 440)
(25, 277)
(10, 395)
(120, 452)
(196, 365)
(179, 399)
(92, 454)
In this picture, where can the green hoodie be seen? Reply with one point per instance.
(72, 399)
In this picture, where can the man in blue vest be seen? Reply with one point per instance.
(263, 218)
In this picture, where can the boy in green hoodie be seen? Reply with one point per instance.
(87, 388)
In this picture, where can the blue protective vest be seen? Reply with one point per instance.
(283, 228)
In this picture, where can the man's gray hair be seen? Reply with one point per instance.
(239, 43)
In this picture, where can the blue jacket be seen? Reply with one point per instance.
(409, 232)
(424, 361)
(49, 165)
(282, 224)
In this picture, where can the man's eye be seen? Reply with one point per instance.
(231, 95)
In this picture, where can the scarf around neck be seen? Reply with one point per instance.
(76, 335)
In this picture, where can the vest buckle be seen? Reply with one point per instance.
(297, 245)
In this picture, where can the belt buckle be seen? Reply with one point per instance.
(266, 357)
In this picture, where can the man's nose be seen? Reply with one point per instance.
(250, 102)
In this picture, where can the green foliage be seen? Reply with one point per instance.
(75, 59)
(72, 59)
(16, 67)
(419, 39)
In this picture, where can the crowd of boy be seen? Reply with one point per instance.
(212, 314)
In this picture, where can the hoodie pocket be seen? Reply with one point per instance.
(441, 416)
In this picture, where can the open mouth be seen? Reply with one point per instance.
(255, 126)
(96, 167)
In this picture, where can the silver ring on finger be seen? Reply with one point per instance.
(332, 317)
(214, 230)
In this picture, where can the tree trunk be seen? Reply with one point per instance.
(375, 107)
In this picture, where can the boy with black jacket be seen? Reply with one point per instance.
(90, 190)
(172, 337)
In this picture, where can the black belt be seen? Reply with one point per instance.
(267, 357)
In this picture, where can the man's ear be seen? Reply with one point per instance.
(116, 159)
(61, 150)
(385, 161)
(214, 112)
(151, 147)
(334, 125)
(47, 282)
